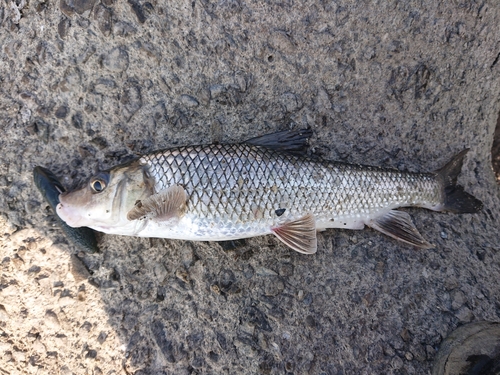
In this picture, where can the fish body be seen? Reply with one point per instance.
(223, 192)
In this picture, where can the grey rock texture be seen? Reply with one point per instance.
(86, 84)
(473, 347)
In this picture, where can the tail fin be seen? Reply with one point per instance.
(455, 198)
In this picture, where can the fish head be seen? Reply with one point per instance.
(104, 201)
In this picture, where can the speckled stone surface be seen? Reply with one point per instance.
(85, 84)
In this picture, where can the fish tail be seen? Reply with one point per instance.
(455, 198)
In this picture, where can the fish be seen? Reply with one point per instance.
(266, 185)
(50, 188)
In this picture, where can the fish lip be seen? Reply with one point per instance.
(66, 217)
(62, 197)
(59, 212)
(59, 207)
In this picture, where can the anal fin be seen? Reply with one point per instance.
(398, 225)
(162, 206)
(300, 235)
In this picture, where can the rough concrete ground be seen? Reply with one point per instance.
(495, 151)
(85, 84)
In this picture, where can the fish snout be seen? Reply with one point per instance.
(68, 214)
(61, 198)
(63, 215)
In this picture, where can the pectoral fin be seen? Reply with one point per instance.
(165, 205)
(300, 234)
(399, 225)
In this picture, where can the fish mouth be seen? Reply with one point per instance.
(70, 211)
(68, 215)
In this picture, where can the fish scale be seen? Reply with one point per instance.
(245, 184)
(223, 192)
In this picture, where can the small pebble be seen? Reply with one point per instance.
(116, 60)
(103, 16)
(189, 101)
(300, 295)
(62, 111)
(273, 286)
(263, 271)
(216, 91)
(131, 99)
(51, 320)
(458, 299)
(464, 315)
(397, 363)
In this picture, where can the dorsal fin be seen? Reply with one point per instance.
(292, 141)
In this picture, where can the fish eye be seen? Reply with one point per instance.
(99, 182)
(98, 185)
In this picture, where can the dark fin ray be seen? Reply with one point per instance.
(300, 235)
(449, 173)
(292, 141)
(398, 225)
(458, 201)
(455, 198)
(165, 205)
(48, 185)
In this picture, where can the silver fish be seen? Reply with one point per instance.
(223, 192)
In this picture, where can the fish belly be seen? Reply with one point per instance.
(202, 229)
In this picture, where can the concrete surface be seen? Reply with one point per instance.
(85, 84)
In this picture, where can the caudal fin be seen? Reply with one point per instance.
(455, 198)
